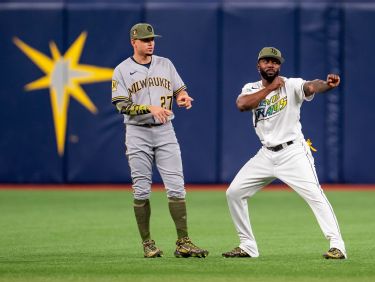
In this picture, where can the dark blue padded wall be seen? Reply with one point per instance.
(95, 142)
(359, 118)
(213, 45)
(27, 143)
(312, 64)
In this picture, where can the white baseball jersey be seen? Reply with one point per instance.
(276, 119)
(134, 86)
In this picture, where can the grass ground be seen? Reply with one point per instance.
(91, 236)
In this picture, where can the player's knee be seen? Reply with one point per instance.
(141, 193)
(141, 187)
(232, 192)
(176, 194)
(175, 190)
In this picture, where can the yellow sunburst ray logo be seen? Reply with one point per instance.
(64, 76)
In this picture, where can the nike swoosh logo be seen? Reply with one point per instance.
(252, 87)
(131, 73)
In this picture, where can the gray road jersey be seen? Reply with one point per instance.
(155, 86)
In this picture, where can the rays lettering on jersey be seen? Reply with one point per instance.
(150, 82)
(269, 107)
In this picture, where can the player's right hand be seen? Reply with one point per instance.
(276, 83)
(160, 113)
(333, 80)
(184, 100)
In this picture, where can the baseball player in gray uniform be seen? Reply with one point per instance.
(144, 87)
(275, 102)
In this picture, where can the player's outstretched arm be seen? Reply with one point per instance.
(320, 86)
(184, 100)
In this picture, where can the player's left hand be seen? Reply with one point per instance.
(184, 100)
(333, 80)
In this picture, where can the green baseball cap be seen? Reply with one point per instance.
(142, 31)
(271, 52)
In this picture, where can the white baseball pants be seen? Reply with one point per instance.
(294, 165)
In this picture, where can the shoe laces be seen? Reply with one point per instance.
(236, 250)
(150, 244)
(334, 251)
(186, 241)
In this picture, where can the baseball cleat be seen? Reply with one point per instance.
(150, 250)
(236, 253)
(185, 248)
(334, 253)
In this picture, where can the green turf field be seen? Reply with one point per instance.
(92, 236)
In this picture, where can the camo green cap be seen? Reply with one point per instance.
(271, 52)
(142, 31)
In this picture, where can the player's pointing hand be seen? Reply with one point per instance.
(184, 100)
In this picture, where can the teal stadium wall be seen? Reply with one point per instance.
(214, 45)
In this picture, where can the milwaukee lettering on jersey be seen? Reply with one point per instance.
(149, 82)
(156, 85)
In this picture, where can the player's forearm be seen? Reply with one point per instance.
(250, 102)
(131, 109)
(315, 86)
(179, 91)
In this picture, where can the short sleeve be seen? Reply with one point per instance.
(298, 84)
(307, 98)
(177, 83)
(249, 88)
(119, 90)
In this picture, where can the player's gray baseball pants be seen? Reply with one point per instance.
(146, 145)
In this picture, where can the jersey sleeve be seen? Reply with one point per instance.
(298, 84)
(121, 98)
(177, 84)
(119, 90)
(248, 89)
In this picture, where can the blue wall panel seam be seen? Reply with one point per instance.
(297, 44)
(333, 128)
(342, 96)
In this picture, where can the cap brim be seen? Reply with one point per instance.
(282, 60)
(148, 36)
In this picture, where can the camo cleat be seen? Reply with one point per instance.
(185, 248)
(150, 250)
(334, 253)
(236, 253)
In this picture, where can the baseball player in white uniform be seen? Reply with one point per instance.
(275, 102)
(143, 89)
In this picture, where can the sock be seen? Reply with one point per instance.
(142, 211)
(177, 208)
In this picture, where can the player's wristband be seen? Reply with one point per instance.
(131, 109)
